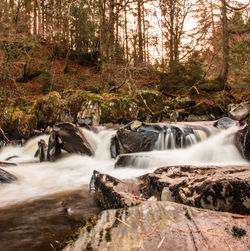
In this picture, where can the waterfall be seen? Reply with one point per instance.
(173, 137)
(218, 149)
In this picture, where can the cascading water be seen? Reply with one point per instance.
(72, 171)
(173, 137)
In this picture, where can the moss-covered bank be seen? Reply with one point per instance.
(20, 118)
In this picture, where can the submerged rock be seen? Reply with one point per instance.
(6, 177)
(225, 123)
(163, 226)
(221, 189)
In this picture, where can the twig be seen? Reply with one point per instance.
(150, 234)
(229, 246)
(237, 216)
(123, 222)
(191, 231)
(160, 243)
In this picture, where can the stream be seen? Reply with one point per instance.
(49, 200)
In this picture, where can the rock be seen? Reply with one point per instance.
(221, 189)
(42, 150)
(193, 117)
(3, 139)
(114, 147)
(135, 125)
(225, 123)
(161, 225)
(6, 177)
(239, 111)
(111, 192)
(85, 123)
(242, 141)
(91, 109)
(54, 147)
(73, 140)
(204, 108)
(136, 141)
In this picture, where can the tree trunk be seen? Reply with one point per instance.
(225, 44)
(140, 35)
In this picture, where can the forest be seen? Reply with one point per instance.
(110, 49)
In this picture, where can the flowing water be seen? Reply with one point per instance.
(49, 198)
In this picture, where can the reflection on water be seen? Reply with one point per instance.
(38, 225)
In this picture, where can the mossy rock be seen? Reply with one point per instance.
(204, 108)
(211, 86)
(184, 102)
(91, 108)
(47, 109)
(153, 100)
(18, 124)
(75, 101)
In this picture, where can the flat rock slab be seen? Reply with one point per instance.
(164, 226)
(216, 188)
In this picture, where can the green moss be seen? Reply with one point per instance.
(187, 213)
(107, 235)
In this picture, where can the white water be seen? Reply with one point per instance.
(73, 171)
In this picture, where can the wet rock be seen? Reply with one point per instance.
(3, 139)
(242, 141)
(54, 147)
(221, 189)
(162, 226)
(6, 177)
(42, 150)
(225, 123)
(114, 147)
(73, 140)
(239, 111)
(140, 140)
(111, 192)
(85, 123)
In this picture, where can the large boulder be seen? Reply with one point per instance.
(6, 177)
(136, 137)
(73, 140)
(161, 225)
(221, 189)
